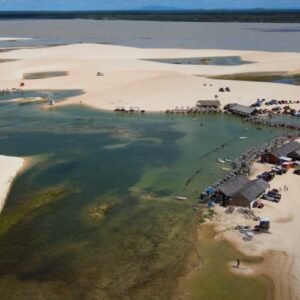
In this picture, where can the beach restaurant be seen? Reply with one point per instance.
(208, 104)
(286, 153)
(241, 191)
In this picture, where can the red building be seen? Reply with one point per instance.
(287, 150)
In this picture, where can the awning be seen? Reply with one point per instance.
(284, 158)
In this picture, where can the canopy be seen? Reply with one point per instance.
(284, 158)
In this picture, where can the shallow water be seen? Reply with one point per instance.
(215, 274)
(96, 216)
(57, 95)
(236, 36)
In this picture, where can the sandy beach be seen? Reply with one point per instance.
(10, 166)
(280, 247)
(131, 81)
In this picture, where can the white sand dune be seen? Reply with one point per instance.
(131, 81)
(9, 167)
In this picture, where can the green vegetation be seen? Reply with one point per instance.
(42, 75)
(257, 16)
(263, 77)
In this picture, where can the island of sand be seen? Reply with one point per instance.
(9, 168)
(132, 77)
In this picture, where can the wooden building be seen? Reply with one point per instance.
(241, 110)
(216, 104)
(240, 191)
(291, 150)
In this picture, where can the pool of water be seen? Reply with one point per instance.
(212, 61)
(57, 95)
(95, 217)
(294, 80)
(42, 75)
(263, 77)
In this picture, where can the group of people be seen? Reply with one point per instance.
(285, 188)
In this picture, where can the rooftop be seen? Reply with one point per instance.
(286, 149)
(242, 109)
(232, 186)
(253, 189)
(209, 103)
(249, 189)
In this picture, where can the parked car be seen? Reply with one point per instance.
(270, 198)
(257, 204)
(297, 172)
(275, 195)
(279, 170)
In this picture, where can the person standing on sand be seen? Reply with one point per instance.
(238, 263)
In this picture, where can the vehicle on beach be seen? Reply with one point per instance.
(257, 204)
(297, 172)
(263, 226)
(267, 176)
(279, 170)
(271, 197)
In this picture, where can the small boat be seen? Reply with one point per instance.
(228, 160)
(222, 161)
(180, 198)
(226, 169)
(243, 137)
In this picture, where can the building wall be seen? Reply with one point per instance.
(239, 200)
(273, 159)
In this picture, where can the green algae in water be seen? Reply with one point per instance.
(30, 207)
(138, 248)
(213, 279)
(284, 78)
